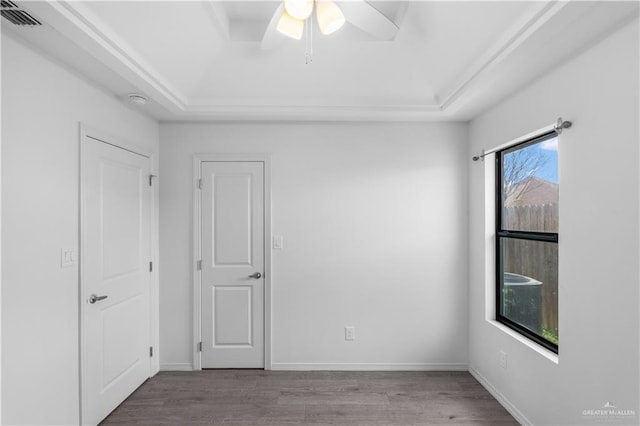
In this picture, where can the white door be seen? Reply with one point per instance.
(115, 276)
(232, 264)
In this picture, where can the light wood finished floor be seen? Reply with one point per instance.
(257, 397)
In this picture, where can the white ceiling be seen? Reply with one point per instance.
(203, 60)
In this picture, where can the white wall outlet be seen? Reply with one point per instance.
(68, 257)
(503, 359)
(350, 333)
(277, 242)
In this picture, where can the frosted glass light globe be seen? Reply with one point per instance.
(330, 17)
(290, 26)
(299, 9)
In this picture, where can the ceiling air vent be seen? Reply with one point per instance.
(13, 14)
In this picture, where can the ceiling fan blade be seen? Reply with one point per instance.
(369, 19)
(272, 37)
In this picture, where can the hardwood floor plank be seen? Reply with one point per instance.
(327, 385)
(251, 414)
(307, 397)
(341, 414)
(412, 385)
(262, 396)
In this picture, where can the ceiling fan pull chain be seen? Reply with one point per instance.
(309, 40)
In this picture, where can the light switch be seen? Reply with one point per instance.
(68, 257)
(277, 242)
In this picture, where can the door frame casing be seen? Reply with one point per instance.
(87, 132)
(198, 159)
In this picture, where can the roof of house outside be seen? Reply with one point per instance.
(533, 191)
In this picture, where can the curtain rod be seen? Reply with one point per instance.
(558, 126)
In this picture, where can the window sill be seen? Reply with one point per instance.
(527, 342)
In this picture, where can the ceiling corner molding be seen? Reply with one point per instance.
(515, 36)
(387, 113)
(219, 18)
(77, 25)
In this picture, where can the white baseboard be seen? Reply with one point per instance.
(379, 366)
(176, 366)
(517, 414)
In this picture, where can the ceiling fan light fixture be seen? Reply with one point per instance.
(330, 17)
(290, 26)
(299, 9)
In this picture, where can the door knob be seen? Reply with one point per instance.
(93, 298)
(256, 275)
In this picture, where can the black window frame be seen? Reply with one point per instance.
(549, 237)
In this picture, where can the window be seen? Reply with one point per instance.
(527, 239)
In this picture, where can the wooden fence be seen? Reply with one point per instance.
(533, 259)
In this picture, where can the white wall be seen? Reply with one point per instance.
(374, 224)
(42, 105)
(599, 194)
(0, 249)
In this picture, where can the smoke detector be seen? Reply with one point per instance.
(137, 98)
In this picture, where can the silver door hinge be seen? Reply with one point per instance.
(199, 183)
(199, 346)
(151, 179)
(150, 351)
(150, 266)
(199, 265)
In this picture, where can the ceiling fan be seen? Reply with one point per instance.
(289, 19)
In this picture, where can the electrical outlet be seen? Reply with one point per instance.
(350, 333)
(503, 359)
